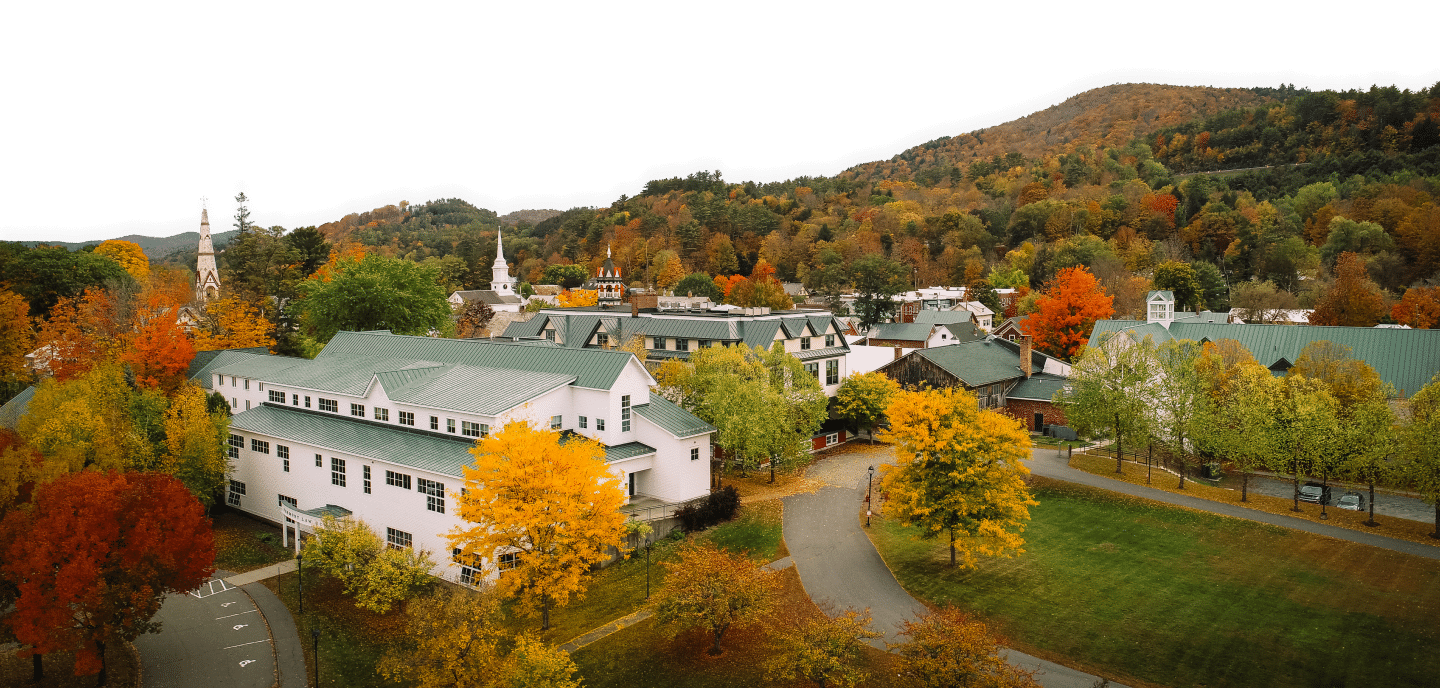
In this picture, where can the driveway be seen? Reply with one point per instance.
(838, 566)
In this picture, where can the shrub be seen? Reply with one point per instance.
(717, 507)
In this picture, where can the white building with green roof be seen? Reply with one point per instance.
(380, 425)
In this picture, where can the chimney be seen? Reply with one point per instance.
(898, 353)
(1025, 355)
(634, 309)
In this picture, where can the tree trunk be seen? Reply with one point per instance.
(1149, 454)
(1372, 522)
(38, 666)
(1119, 454)
(952, 538)
(719, 633)
(1244, 485)
(545, 613)
(1297, 489)
(100, 645)
(1435, 534)
(1181, 460)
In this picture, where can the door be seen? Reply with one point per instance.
(1039, 422)
(632, 484)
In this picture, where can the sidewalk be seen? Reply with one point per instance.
(258, 575)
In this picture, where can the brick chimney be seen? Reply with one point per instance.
(1025, 355)
(634, 309)
(898, 353)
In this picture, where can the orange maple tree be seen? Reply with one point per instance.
(1067, 311)
(1353, 300)
(80, 333)
(17, 335)
(160, 352)
(1419, 308)
(95, 555)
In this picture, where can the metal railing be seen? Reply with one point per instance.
(656, 512)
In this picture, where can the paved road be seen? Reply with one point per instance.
(1386, 504)
(1051, 463)
(838, 565)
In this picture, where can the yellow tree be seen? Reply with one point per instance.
(452, 638)
(129, 255)
(534, 664)
(233, 324)
(377, 576)
(826, 650)
(552, 508)
(946, 649)
(85, 423)
(575, 298)
(711, 589)
(195, 444)
(958, 472)
(17, 338)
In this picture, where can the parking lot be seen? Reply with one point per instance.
(214, 636)
(1385, 504)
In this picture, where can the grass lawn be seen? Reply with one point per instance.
(1400, 528)
(245, 544)
(1145, 593)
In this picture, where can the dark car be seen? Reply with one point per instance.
(1351, 501)
(1315, 493)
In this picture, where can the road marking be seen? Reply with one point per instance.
(252, 611)
(223, 587)
(246, 661)
(244, 644)
(226, 604)
(240, 626)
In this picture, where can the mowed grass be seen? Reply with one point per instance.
(1141, 592)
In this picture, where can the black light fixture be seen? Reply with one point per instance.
(315, 634)
(300, 580)
(869, 487)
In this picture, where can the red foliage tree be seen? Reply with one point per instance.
(94, 557)
(160, 351)
(1067, 311)
(1353, 300)
(1419, 308)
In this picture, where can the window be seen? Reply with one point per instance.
(625, 413)
(550, 335)
(507, 561)
(694, 453)
(247, 404)
(232, 380)
(237, 490)
(234, 403)
(599, 423)
(407, 418)
(357, 410)
(283, 452)
(469, 429)
(383, 414)
(259, 446)
(337, 471)
(247, 383)
(365, 478)
(829, 341)
(434, 495)
(236, 444)
(318, 463)
(283, 501)
(397, 539)
(832, 372)
(813, 369)
(295, 400)
(470, 573)
(307, 402)
(330, 405)
(602, 339)
(449, 425)
(682, 345)
(277, 397)
(400, 480)
(582, 423)
(435, 422)
(804, 343)
(556, 422)
(832, 438)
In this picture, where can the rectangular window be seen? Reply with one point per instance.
(832, 438)
(625, 413)
(507, 561)
(329, 405)
(283, 500)
(236, 444)
(234, 402)
(407, 418)
(804, 343)
(319, 462)
(237, 490)
(397, 539)
(282, 451)
(383, 414)
(285, 465)
(337, 471)
(277, 397)
(599, 423)
(832, 372)
(449, 425)
(556, 422)
(694, 453)
(357, 410)
(434, 494)
(295, 400)
(259, 446)
(435, 423)
(307, 402)
(247, 383)
(813, 369)
(602, 339)
(232, 381)
(682, 345)
(247, 404)
(470, 573)
(469, 429)
(400, 480)
(829, 341)
(583, 423)
(365, 477)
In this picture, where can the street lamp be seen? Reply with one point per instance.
(315, 634)
(648, 543)
(869, 486)
(300, 580)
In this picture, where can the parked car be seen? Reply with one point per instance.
(1315, 493)
(1351, 501)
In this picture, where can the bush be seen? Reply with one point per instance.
(717, 507)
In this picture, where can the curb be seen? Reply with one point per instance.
(290, 670)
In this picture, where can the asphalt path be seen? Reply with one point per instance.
(212, 636)
(841, 570)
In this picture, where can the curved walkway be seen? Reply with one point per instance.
(838, 565)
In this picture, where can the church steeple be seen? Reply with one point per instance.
(607, 283)
(207, 278)
(500, 280)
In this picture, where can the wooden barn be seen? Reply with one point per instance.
(1005, 375)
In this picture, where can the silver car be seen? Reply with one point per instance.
(1351, 501)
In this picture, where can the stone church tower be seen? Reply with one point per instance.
(500, 280)
(611, 289)
(207, 278)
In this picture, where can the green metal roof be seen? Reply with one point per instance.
(593, 368)
(213, 360)
(1040, 387)
(909, 332)
(981, 362)
(812, 354)
(327, 510)
(486, 391)
(12, 410)
(671, 418)
(629, 450)
(1404, 359)
(944, 317)
(417, 450)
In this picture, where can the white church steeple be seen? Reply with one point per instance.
(500, 280)
(207, 278)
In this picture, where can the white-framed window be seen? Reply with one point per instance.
(259, 446)
(829, 341)
(277, 397)
(682, 345)
(599, 423)
(236, 444)
(694, 453)
(450, 425)
(470, 571)
(232, 381)
(282, 500)
(365, 478)
(247, 404)
(337, 471)
(319, 462)
(407, 418)
(813, 369)
(469, 429)
(329, 405)
(283, 452)
(307, 402)
(556, 422)
(295, 400)
(237, 490)
(507, 561)
(247, 383)
(398, 539)
(602, 339)
(357, 410)
(832, 438)
(804, 343)
(383, 414)
(399, 480)
(832, 372)
(583, 422)
(234, 402)
(434, 494)
(435, 423)
(625, 413)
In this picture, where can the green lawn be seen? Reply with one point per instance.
(1137, 590)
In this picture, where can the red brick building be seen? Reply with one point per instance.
(1007, 376)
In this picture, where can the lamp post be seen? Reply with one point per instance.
(869, 486)
(300, 580)
(772, 469)
(315, 634)
(648, 543)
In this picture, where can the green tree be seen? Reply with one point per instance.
(310, 245)
(711, 589)
(1181, 279)
(1303, 429)
(375, 293)
(376, 576)
(567, 276)
(1214, 293)
(877, 279)
(1178, 402)
(1109, 390)
(828, 651)
(1237, 426)
(699, 284)
(1421, 443)
(863, 397)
